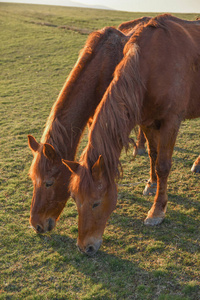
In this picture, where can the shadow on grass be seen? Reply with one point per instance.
(181, 224)
(188, 151)
(109, 274)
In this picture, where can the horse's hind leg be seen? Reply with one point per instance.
(152, 135)
(139, 149)
(167, 137)
(196, 166)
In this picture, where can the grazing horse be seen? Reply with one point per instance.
(61, 135)
(156, 86)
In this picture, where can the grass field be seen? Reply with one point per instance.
(39, 46)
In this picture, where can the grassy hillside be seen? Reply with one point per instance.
(39, 46)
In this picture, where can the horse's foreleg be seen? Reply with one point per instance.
(152, 143)
(139, 149)
(167, 137)
(196, 166)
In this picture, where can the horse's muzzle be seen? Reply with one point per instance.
(90, 249)
(48, 225)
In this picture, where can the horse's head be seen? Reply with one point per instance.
(50, 179)
(95, 198)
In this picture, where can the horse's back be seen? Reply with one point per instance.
(170, 52)
(128, 26)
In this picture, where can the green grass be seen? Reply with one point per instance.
(134, 262)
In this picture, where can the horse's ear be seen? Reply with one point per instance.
(49, 151)
(33, 144)
(98, 168)
(71, 165)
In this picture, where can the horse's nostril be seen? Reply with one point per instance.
(51, 224)
(90, 250)
(39, 229)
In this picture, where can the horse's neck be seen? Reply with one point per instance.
(74, 108)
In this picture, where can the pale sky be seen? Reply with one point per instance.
(181, 6)
(150, 5)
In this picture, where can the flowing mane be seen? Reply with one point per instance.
(58, 129)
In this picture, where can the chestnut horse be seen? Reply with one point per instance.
(61, 135)
(156, 86)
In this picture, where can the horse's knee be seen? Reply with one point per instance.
(152, 154)
(163, 169)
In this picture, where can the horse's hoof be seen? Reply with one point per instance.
(150, 189)
(134, 152)
(153, 221)
(195, 168)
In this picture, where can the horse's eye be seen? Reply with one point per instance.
(48, 183)
(96, 204)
